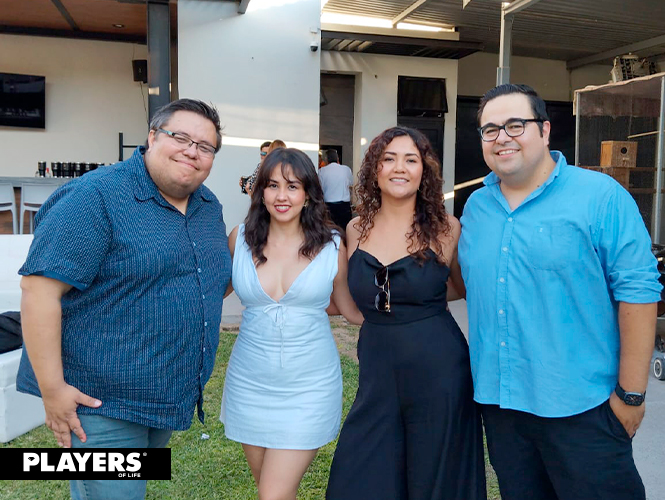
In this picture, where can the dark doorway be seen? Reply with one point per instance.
(337, 115)
(469, 162)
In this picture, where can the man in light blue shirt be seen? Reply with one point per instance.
(561, 291)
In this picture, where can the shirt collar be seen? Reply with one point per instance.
(145, 188)
(492, 181)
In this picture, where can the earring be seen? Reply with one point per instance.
(306, 204)
(263, 200)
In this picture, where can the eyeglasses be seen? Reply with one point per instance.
(205, 150)
(382, 299)
(513, 128)
(263, 153)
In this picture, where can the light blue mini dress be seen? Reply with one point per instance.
(283, 386)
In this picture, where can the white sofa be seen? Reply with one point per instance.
(19, 412)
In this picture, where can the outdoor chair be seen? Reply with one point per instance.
(32, 198)
(8, 202)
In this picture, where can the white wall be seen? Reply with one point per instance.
(260, 73)
(550, 78)
(90, 97)
(376, 97)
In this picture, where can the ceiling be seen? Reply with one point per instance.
(572, 30)
(551, 29)
(92, 19)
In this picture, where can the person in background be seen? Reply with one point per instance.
(283, 389)
(122, 295)
(247, 182)
(276, 144)
(337, 183)
(561, 288)
(413, 431)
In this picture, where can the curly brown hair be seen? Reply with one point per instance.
(430, 220)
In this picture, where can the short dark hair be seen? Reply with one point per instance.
(538, 106)
(164, 114)
(332, 156)
(265, 145)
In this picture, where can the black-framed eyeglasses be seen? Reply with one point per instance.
(382, 299)
(205, 150)
(513, 128)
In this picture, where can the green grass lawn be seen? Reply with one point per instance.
(214, 468)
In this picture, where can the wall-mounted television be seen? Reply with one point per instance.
(22, 100)
(421, 96)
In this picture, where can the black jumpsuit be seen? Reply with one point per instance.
(414, 432)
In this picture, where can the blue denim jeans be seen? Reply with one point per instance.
(104, 432)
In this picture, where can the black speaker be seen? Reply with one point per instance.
(140, 69)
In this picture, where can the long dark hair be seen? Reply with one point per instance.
(314, 220)
(430, 219)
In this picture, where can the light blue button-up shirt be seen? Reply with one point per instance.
(543, 285)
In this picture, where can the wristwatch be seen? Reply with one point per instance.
(630, 398)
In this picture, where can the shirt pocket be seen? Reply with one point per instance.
(553, 246)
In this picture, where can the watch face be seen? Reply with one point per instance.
(633, 398)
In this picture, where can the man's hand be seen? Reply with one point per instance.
(629, 416)
(60, 404)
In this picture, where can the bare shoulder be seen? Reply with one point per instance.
(353, 232)
(449, 241)
(455, 226)
(233, 236)
(352, 236)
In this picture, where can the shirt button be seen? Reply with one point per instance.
(510, 219)
(203, 296)
(204, 349)
(502, 280)
(500, 311)
(505, 249)
(193, 244)
(205, 324)
(198, 270)
(503, 344)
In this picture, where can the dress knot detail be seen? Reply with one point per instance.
(277, 313)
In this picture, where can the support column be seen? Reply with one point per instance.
(660, 159)
(508, 11)
(159, 46)
(505, 48)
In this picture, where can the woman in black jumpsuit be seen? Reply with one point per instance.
(414, 432)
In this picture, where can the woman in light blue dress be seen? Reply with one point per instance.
(283, 390)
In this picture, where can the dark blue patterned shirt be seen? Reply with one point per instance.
(140, 327)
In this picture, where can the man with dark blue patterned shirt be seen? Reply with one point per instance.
(122, 295)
